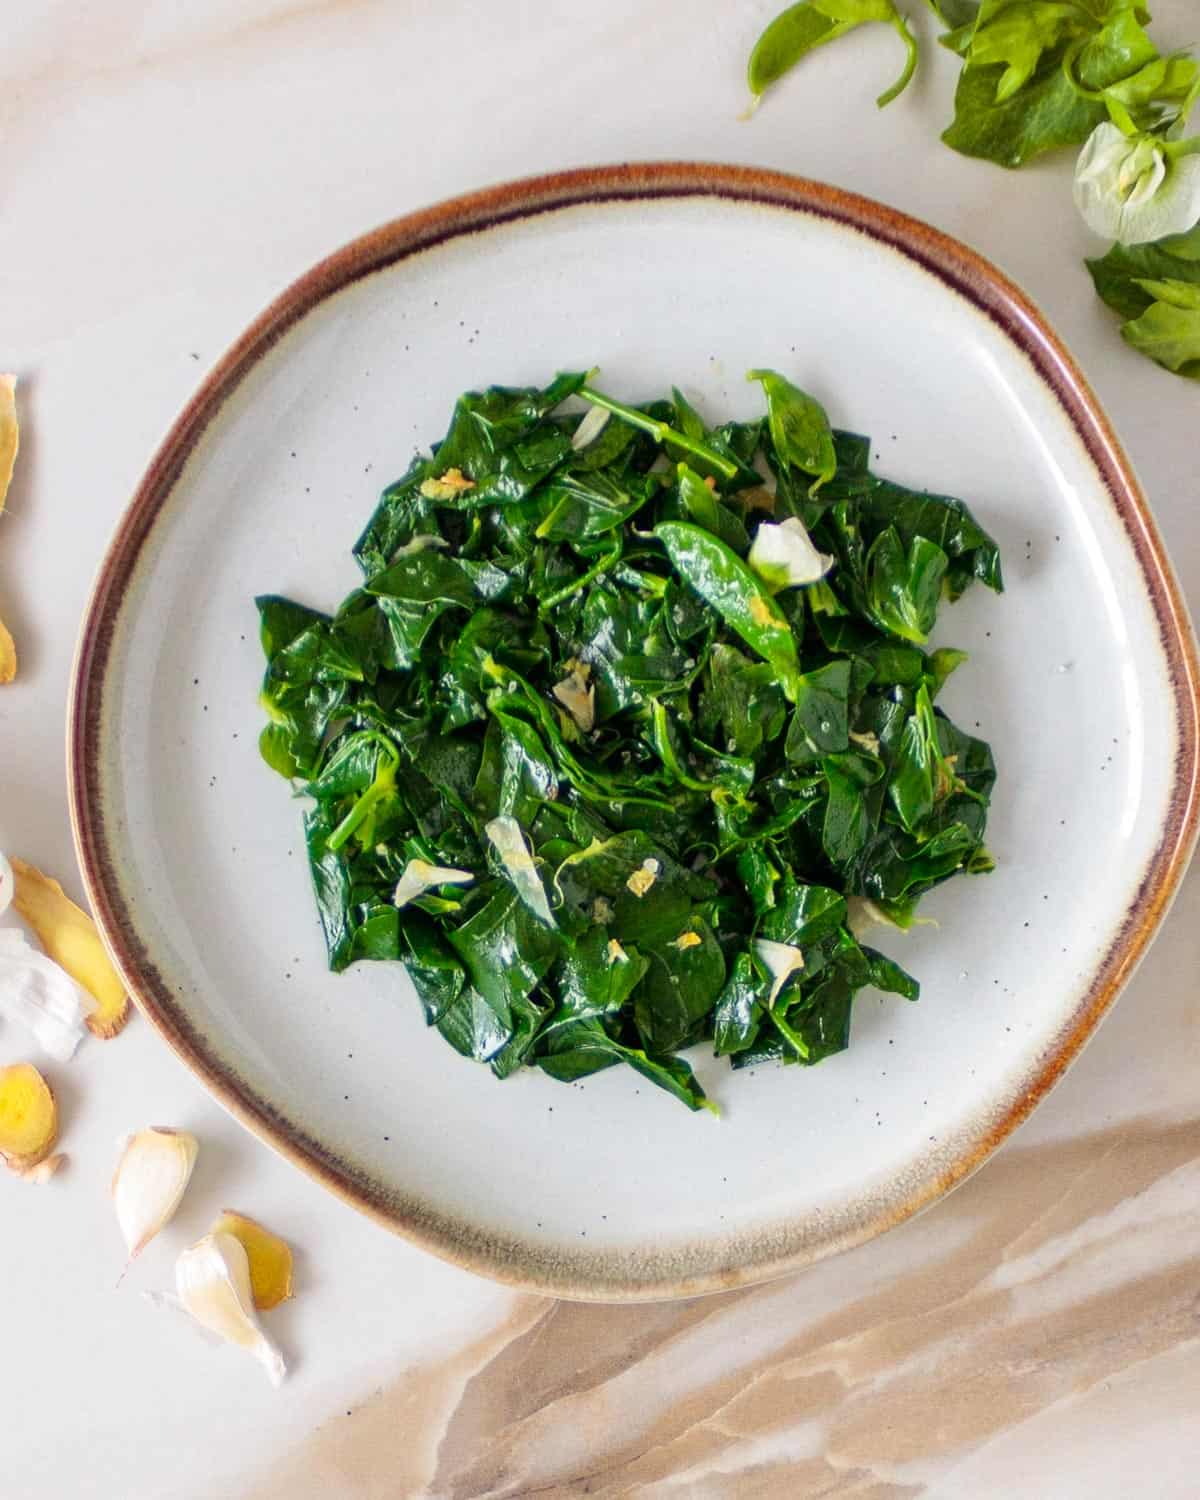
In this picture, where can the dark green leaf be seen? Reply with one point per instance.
(800, 430)
(728, 586)
(903, 588)
(739, 1008)
(572, 640)
(820, 723)
(506, 951)
(586, 1047)
(1119, 275)
(1168, 332)
(680, 987)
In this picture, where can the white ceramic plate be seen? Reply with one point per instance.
(1082, 676)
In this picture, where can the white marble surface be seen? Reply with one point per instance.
(167, 169)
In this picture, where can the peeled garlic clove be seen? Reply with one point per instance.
(269, 1257)
(212, 1280)
(149, 1182)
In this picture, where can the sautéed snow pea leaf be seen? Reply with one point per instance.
(606, 791)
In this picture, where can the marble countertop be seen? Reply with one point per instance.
(167, 169)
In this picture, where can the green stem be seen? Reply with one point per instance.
(910, 63)
(792, 1038)
(666, 752)
(382, 786)
(582, 582)
(662, 432)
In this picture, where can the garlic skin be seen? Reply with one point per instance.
(39, 993)
(150, 1180)
(44, 1170)
(212, 1281)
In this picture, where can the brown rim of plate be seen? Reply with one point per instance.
(612, 1276)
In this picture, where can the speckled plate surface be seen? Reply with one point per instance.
(1083, 677)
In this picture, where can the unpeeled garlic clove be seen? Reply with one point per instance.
(149, 1182)
(212, 1280)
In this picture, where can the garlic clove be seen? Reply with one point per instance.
(151, 1177)
(7, 880)
(212, 1280)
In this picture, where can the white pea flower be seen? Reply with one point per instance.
(784, 557)
(1135, 188)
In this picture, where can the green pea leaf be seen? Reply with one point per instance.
(802, 28)
(820, 723)
(1119, 275)
(903, 587)
(728, 586)
(1168, 332)
(586, 1047)
(800, 430)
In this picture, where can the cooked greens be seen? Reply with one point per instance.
(625, 714)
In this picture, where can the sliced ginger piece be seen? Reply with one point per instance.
(28, 1117)
(70, 938)
(270, 1258)
(9, 441)
(8, 654)
(10, 435)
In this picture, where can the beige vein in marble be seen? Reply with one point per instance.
(876, 1376)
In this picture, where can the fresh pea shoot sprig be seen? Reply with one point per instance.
(1040, 75)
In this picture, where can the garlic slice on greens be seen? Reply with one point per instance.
(420, 876)
(509, 843)
(781, 961)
